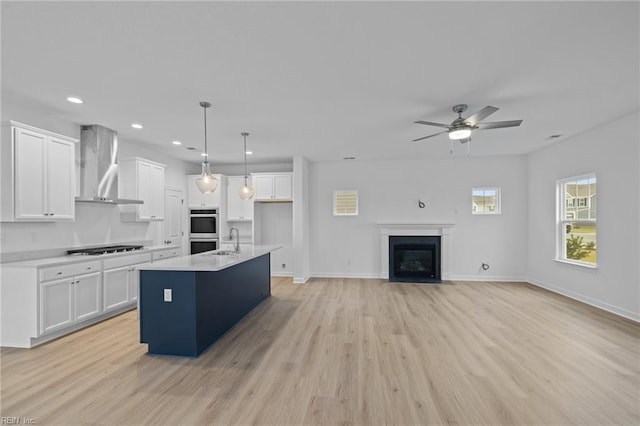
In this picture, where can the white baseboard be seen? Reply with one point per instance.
(281, 274)
(588, 300)
(344, 275)
(301, 280)
(498, 278)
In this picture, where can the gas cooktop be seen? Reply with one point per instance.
(104, 250)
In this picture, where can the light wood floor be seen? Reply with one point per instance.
(351, 352)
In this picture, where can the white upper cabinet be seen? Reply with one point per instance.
(38, 175)
(273, 186)
(237, 208)
(142, 179)
(198, 199)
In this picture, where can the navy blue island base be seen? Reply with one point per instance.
(204, 305)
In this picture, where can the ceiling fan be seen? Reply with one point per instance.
(460, 129)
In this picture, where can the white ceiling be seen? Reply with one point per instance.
(324, 79)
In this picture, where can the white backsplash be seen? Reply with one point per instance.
(95, 224)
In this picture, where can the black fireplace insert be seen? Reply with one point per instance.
(414, 259)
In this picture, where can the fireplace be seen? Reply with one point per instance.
(414, 258)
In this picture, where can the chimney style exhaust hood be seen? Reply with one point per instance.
(99, 166)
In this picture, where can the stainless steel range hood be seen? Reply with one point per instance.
(99, 166)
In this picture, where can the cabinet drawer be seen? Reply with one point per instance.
(133, 259)
(165, 254)
(64, 271)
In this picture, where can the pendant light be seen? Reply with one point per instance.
(247, 191)
(206, 182)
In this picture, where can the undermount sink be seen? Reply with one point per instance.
(222, 253)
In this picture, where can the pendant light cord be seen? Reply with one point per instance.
(245, 134)
(206, 152)
(204, 106)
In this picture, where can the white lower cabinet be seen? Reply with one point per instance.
(69, 300)
(41, 302)
(116, 288)
(120, 280)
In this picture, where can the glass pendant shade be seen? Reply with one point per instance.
(206, 182)
(247, 192)
(460, 134)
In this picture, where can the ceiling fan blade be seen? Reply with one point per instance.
(427, 137)
(480, 115)
(498, 124)
(430, 123)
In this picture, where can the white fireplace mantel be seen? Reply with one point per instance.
(417, 229)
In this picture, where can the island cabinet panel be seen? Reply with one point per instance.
(204, 304)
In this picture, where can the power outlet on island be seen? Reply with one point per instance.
(167, 295)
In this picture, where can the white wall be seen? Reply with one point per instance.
(95, 223)
(389, 192)
(611, 152)
(274, 222)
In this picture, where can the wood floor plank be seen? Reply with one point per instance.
(349, 352)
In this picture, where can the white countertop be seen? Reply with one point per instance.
(207, 261)
(62, 260)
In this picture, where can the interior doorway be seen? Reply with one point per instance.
(173, 216)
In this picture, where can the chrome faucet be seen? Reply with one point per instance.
(236, 245)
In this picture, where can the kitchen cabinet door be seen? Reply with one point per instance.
(151, 191)
(283, 187)
(264, 187)
(86, 291)
(115, 288)
(30, 175)
(56, 305)
(237, 208)
(61, 185)
(156, 192)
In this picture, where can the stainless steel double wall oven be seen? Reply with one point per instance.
(203, 229)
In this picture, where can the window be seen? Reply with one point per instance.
(577, 220)
(485, 201)
(345, 203)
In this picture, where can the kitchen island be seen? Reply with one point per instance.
(187, 303)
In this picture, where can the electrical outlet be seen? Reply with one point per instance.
(34, 237)
(284, 265)
(167, 295)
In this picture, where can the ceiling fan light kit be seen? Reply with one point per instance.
(461, 128)
(462, 133)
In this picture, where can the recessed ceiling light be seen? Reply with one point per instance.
(249, 152)
(136, 126)
(176, 143)
(75, 100)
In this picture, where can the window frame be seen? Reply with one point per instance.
(498, 207)
(562, 202)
